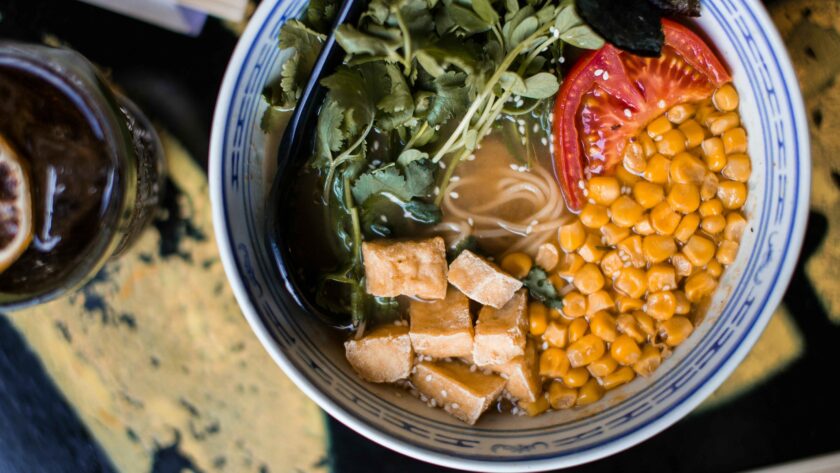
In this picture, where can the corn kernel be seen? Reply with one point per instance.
(648, 146)
(661, 305)
(699, 250)
(598, 301)
(554, 363)
(603, 189)
(735, 225)
(626, 212)
(627, 304)
(594, 215)
(631, 282)
(710, 118)
(664, 219)
(589, 279)
(589, 393)
(625, 177)
(537, 318)
(658, 248)
(602, 325)
(516, 264)
(661, 277)
(714, 153)
(713, 224)
(533, 409)
(727, 252)
(714, 268)
(687, 169)
(625, 350)
(725, 98)
(682, 265)
(738, 167)
(683, 305)
(699, 285)
(688, 225)
(643, 226)
(576, 377)
(658, 127)
(646, 323)
(732, 194)
(694, 134)
(711, 207)
(671, 143)
(623, 375)
(724, 123)
(602, 366)
(680, 113)
(547, 256)
(613, 233)
(649, 361)
(586, 350)
(556, 334)
(571, 236)
(704, 109)
(735, 141)
(592, 250)
(630, 250)
(627, 325)
(657, 169)
(611, 264)
(648, 194)
(634, 158)
(574, 304)
(568, 266)
(577, 329)
(684, 198)
(675, 330)
(709, 187)
(561, 396)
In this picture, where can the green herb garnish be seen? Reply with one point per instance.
(541, 288)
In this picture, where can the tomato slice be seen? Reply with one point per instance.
(610, 94)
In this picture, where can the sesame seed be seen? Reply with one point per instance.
(471, 157)
(375, 145)
(454, 405)
(433, 403)
(598, 72)
(661, 103)
(544, 346)
(561, 59)
(437, 190)
(535, 128)
(627, 113)
(455, 178)
(443, 393)
(442, 164)
(544, 141)
(470, 221)
(606, 75)
(454, 195)
(428, 378)
(383, 218)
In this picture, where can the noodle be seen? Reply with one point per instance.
(504, 207)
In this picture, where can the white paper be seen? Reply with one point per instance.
(169, 14)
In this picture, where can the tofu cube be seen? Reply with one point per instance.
(500, 334)
(522, 375)
(384, 355)
(409, 268)
(462, 393)
(481, 280)
(442, 328)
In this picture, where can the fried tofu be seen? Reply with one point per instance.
(384, 355)
(462, 393)
(500, 334)
(443, 328)
(481, 280)
(409, 268)
(522, 375)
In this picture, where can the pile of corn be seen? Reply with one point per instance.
(648, 247)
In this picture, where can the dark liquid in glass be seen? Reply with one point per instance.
(72, 172)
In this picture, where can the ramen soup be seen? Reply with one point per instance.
(530, 240)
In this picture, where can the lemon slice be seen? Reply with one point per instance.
(15, 206)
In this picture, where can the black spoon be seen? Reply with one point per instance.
(294, 150)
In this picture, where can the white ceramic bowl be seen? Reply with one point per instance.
(241, 172)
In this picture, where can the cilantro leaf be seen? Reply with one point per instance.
(305, 45)
(541, 288)
(320, 14)
(451, 97)
(385, 179)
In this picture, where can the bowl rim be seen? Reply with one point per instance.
(223, 241)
